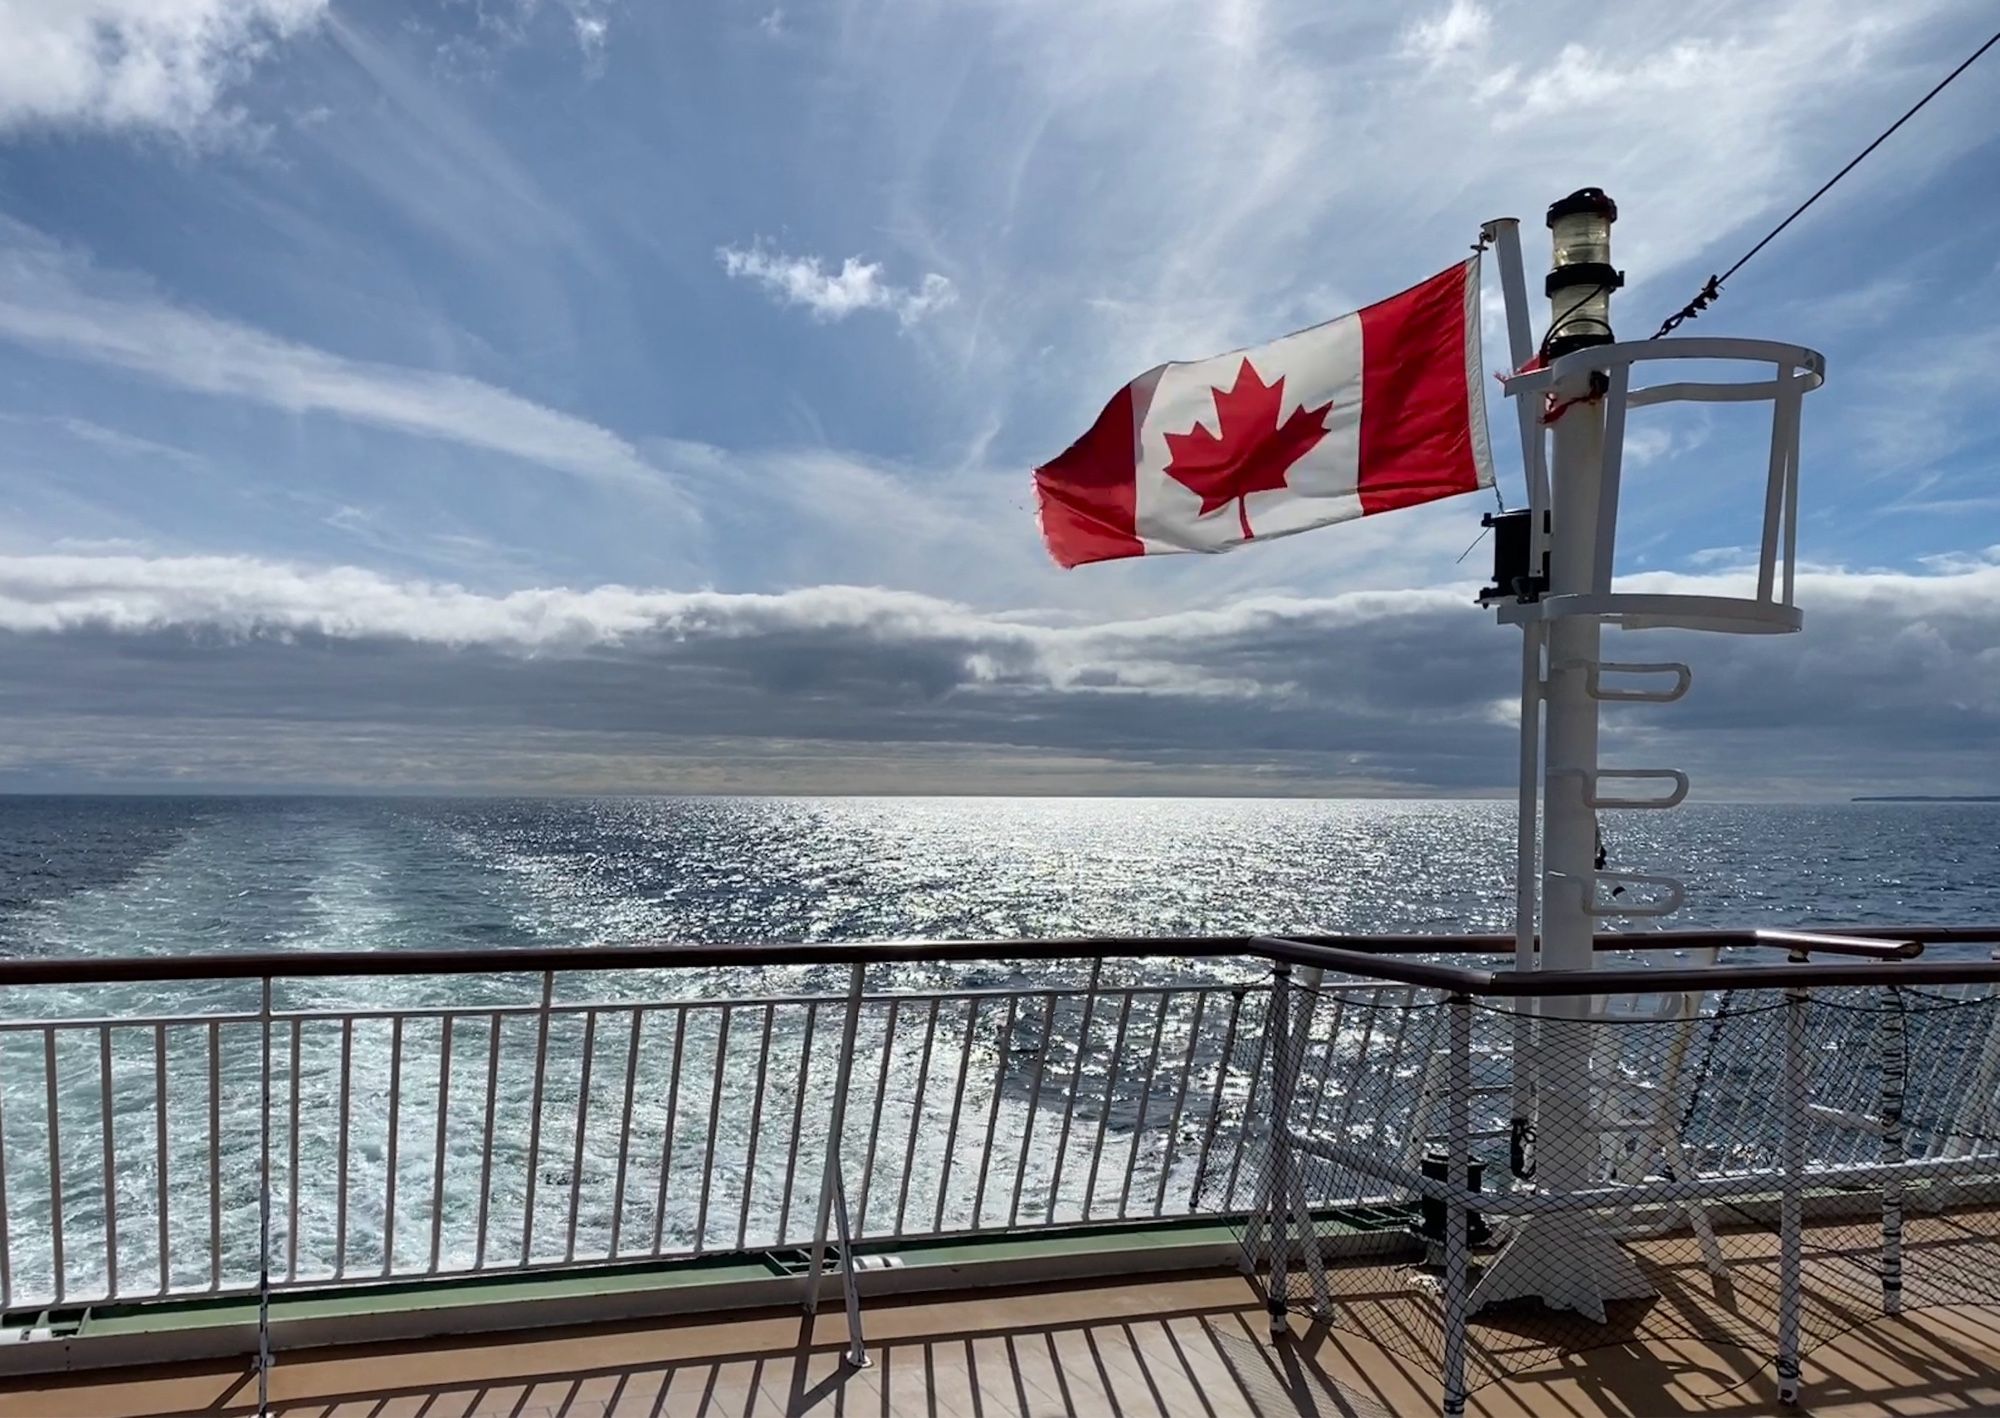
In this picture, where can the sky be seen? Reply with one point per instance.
(606, 395)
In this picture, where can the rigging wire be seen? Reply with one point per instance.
(1710, 292)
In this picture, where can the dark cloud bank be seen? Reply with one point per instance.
(125, 672)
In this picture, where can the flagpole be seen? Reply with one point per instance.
(1504, 235)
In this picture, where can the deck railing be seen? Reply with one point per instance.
(1768, 1155)
(533, 1109)
(423, 1142)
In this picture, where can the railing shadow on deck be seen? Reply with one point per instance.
(1132, 1361)
(1160, 1360)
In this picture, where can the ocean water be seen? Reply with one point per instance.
(104, 876)
(154, 875)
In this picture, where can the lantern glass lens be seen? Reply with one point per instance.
(1581, 237)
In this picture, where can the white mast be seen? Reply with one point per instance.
(1579, 287)
(1554, 579)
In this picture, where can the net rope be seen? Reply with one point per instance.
(1681, 1100)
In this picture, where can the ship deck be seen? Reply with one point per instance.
(1192, 1344)
(1107, 1292)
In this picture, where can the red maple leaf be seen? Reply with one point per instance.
(1253, 451)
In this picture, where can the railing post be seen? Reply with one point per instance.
(857, 1352)
(535, 1116)
(1195, 1188)
(263, 1204)
(1281, 1195)
(1458, 1162)
(1895, 1077)
(833, 1188)
(1791, 1218)
(1274, 1194)
(1069, 1102)
(1309, 1254)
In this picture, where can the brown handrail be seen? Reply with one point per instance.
(1802, 944)
(1906, 973)
(1452, 979)
(1929, 935)
(257, 965)
(1373, 956)
(1512, 984)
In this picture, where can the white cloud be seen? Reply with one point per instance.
(1719, 558)
(1895, 681)
(1931, 401)
(1671, 433)
(498, 29)
(1175, 180)
(1461, 28)
(592, 23)
(125, 65)
(1647, 445)
(102, 546)
(53, 302)
(1201, 653)
(835, 295)
(460, 181)
(1864, 305)
(247, 595)
(244, 596)
(111, 440)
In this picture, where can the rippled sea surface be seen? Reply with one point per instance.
(110, 875)
(105, 876)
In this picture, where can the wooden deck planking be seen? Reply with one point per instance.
(1188, 1347)
(1192, 1344)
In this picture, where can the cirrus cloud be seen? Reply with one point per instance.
(135, 65)
(52, 300)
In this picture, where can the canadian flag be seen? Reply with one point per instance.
(1380, 409)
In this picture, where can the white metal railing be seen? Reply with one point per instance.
(433, 1141)
(252, 1141)
(1606, 372)
(1740, 1109)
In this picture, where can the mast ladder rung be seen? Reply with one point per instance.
(1675, 898)
(1594, 671)
(1593, 776)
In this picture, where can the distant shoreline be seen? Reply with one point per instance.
(1930, 798)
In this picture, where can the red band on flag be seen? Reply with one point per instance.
(1086, 496)
(1416, 437)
